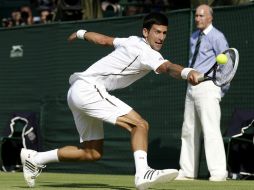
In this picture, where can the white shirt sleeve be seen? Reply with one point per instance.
(152, 59)
(119, 42)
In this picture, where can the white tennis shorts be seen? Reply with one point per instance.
(91, 105)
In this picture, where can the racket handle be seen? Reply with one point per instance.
(201, 77)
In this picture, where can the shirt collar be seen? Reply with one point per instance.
(208, 29)
(144, 40)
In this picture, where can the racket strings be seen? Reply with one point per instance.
(225, 72)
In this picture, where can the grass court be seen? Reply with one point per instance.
(50, 181)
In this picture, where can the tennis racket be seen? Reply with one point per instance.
(222, 74)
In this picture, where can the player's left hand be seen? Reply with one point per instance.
(193, 77)
(72, 37)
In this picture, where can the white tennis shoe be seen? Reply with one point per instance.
(30, 169)
(152, 177)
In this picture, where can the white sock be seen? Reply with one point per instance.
(140, 158)
(42, 158)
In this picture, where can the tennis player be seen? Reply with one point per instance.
(91, 104)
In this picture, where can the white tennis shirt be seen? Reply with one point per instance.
(132, 59)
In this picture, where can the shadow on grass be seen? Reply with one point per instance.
(90, 185)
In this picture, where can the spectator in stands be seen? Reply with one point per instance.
(16, 18)
(91, 103)
(111, 8)
(26, 15)
(7, 22)
(46, 17)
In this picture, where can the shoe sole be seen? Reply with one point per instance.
(162, 179)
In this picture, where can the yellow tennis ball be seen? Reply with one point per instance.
(221, 59)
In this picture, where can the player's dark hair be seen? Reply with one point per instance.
(155, 18)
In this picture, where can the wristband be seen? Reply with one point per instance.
(185, 72)
(80, 34)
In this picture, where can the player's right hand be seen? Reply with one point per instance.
(193, 77)
(72, 37)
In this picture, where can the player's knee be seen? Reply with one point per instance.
(143, 124)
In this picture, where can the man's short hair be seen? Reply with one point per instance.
(155, 18)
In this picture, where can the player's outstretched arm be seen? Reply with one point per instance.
(179, 72)
(92, 37)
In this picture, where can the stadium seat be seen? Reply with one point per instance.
(239, 144)
(22, 132)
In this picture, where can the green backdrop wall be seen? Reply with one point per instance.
(37, 81)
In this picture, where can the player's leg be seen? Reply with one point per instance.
(138, 127)
(88, 150)
(91, 135)
(145, 176)
(33, 161)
